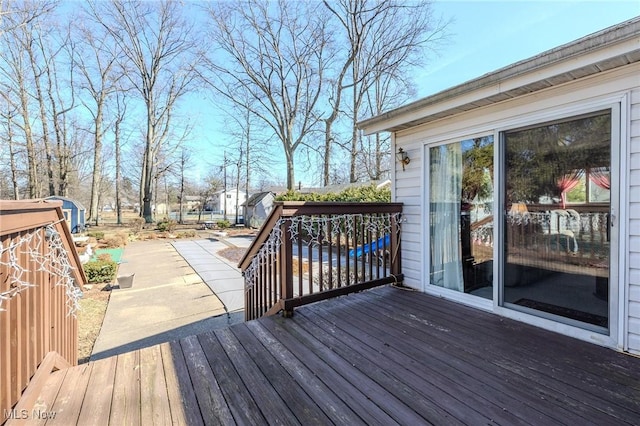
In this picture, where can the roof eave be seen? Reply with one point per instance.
(610, 48)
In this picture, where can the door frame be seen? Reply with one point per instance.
(618, 104)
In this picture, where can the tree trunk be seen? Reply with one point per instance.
(291, 179)
(44, 121)
(97, 163)
(118, 168)
(326, 171)
(32, 160)
(147, 173)
(12, 159)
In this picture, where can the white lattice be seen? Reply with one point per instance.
(53, 260)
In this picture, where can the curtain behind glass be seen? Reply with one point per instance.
(445, 189)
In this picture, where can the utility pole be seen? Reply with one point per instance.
(225, 185)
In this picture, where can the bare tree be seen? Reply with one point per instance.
(185, 158)
(160, 50)
(274, 52)
(7, 118)
(382, 37)
(32, 83)
(97, 63)
(120, 113)
(61, 96)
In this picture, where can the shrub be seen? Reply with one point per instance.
(223, 224)
(136, 225)
(360, 194)
(100, 271)
(167, 225)
(98, 235)
(190, 233)
(112, 242)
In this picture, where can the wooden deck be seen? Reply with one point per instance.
(385, 356)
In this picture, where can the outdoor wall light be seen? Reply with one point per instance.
(403, 157)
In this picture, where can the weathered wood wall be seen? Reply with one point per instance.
(36, 307)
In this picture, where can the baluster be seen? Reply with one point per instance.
(286, 266)
(355, 250)
(310, 263)
(396, 264)
(363, 232)
(300, 261)
(330, 251)
(339, 255)
(320, 243)
(370, 242)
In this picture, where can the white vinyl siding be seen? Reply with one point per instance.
(408, 183)
(634, 226)
(596, 91)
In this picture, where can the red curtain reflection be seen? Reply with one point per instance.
(600, 178)
(567, 183)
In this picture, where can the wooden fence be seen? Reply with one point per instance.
(40, 280)
(310, 251)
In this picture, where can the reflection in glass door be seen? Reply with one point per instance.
(461, 216)
(557, 211)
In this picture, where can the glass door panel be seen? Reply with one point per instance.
(461, 216)
(557, 212)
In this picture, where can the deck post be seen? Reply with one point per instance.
(286, 266)
(396, 266)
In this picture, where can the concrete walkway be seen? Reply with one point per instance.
(168, 299)
(220, 274)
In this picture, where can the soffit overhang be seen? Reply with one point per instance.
(605, 50)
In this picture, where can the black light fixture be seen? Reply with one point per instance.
(403, 157)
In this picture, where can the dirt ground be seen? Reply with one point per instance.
(93, 307)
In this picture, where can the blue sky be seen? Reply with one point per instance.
(484, 36)
(488, 35)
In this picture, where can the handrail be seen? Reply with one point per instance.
(302, 254)
(40, 279)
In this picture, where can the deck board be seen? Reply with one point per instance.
(353, 395)
(211, 402)
(96, 406)
(66, 409)
(154, 399)
(180, 392)
(583, 390)
(334, 407)
(300, 404)
(126, 403)
(260, 390)
(470, 367)
(516, 359)
(384, 356)
(464, 385)
(242, 406)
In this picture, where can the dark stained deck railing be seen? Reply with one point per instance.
(40, 277)
(310, 251)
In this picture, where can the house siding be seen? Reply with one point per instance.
(582, 93)
(634, 225)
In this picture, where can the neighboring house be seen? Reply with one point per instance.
(521, 190)
(74, 213)
(230, 201)
(191, 202)
(258, 208)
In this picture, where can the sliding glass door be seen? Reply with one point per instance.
(557, 229)
(461, 216)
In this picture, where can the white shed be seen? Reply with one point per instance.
(522, 190)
